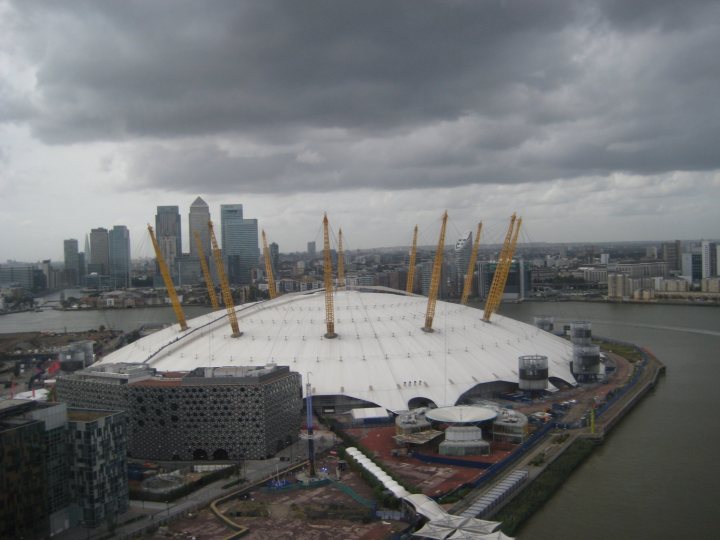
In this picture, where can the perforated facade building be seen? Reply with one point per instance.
(221, 413)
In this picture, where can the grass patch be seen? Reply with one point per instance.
(250, 509)
(456, 495)
(540, 490)
(630, 353)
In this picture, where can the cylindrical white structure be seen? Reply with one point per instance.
(545, 322)
(586, 362)
(533, 372)
(581, 333)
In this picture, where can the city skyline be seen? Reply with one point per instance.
(595, 121)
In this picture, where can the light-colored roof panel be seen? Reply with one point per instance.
(381, 354)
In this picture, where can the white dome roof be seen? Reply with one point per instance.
(381, 355)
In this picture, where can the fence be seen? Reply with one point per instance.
(637, 373)
(451, 461)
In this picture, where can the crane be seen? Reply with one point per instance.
(327, 268)
(224, 287)
(435, 279)
(471, 267)
(411, 266)
(341, 261)
(503, 268)
(206, 272)
(268, 268)
(177, 308)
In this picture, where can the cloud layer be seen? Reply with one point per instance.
(278, 98)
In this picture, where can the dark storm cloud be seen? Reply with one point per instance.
(379, 93)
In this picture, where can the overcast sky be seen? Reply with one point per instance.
(594, 120)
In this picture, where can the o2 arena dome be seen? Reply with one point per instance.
(380, 357)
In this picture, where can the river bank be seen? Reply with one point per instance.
(579, 444)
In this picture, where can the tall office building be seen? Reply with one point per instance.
(463, 250)
(709, 251)
(311, 249)
(168, 233)
(240, 245)
(119, 251)
(198, 221)
(72, 264)
(99, 252)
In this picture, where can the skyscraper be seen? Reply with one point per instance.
(99, 252)
(119, 251)
(463, 250)
(72, 264)
(198, 221)
(231, 215)
(168, 233)
(311, 249)
(239, 243)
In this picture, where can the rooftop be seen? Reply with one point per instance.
(381, 355)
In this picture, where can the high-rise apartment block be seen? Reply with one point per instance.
(119, 256)
(709, 251)
(60, 468)
(98, 442)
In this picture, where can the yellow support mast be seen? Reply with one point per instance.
(327, 267)
(411, 267)
(502, 269)
(206, 272)
(435, 279)
(224, 287)
(467, 287)
(174, 300)
(268, 268)
(341, 261)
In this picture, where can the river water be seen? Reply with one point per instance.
(657, 475)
